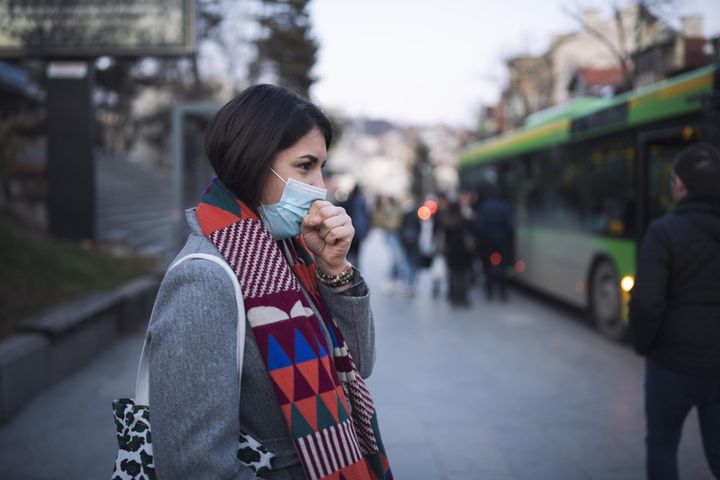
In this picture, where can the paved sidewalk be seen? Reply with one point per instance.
(518, 391)
(524, 390)
(69, 431)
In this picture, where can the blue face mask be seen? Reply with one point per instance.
(283, 219)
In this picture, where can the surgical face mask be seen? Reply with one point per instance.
(283, 219)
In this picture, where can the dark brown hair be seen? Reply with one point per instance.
(245, 135)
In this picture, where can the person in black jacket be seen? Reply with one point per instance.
(357, 209)
(409, 240)
(495, 232)
(675, 313)
(458, 253)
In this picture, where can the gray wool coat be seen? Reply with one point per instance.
(196, 406)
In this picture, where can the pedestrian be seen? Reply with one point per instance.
(410, 241)
(265, 215)
(387, 217)
(675, 313)
(469, 203)
(495, 231)
(458, 252)
(426, 240)
(438, 269)
(356, 207)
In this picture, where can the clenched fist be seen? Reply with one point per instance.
(328, 232)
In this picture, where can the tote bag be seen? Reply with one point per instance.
(132, 416)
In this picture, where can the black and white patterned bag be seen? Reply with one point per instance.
(132, 417)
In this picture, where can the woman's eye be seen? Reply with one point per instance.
(306, 166)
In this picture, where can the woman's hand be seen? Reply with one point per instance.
(328, 232)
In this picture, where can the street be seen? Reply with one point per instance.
(523, 390)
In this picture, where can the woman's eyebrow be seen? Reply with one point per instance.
(313, 159)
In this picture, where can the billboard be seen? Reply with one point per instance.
(90, 28)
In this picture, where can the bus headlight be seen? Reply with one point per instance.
(627, 283)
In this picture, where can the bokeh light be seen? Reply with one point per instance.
(424, 213)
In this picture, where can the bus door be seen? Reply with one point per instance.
(658, 154)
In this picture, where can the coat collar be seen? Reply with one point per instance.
(698, 204)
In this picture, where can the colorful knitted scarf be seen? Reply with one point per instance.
(328, 410)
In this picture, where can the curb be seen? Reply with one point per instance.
(55, 343)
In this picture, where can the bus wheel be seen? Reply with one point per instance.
(606, 302)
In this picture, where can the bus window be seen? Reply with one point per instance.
(560, 186)
(605, 179)
(532, 187)
(546, 192)
(506, 181)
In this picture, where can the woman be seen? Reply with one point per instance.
(265, 215)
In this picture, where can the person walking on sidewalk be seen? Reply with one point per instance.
(675, 313)
(356, 207)
(300, 394)
(387, 217)
(495, 231)
(410, 242)
(458, 253)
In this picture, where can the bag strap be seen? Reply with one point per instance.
(142, 385)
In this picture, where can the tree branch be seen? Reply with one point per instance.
(598, 35)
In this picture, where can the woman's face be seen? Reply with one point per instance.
(302, 161)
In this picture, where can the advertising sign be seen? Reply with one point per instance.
(90, 28)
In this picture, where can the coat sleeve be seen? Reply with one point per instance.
(648, 301)
(353, 315)
(194, 391)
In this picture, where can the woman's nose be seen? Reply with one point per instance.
(318, 181)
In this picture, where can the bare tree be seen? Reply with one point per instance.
(649, 14)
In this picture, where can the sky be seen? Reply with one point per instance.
(437, 61)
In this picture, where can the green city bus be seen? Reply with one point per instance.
(585, 178)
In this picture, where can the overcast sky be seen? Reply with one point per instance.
(433, 61)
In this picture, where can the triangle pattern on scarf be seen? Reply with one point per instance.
(282, 398)
(277, 358)
(321, 349)
(325, 419)
(308, 408)
(302, 388)
(331, 404)
(325, 382)
(285, 336)
(326, 363)
(343, 399)
(287, 413)
(284, 381)
(343, 414)
(303, 351)
(310, 371)
(300, 426)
